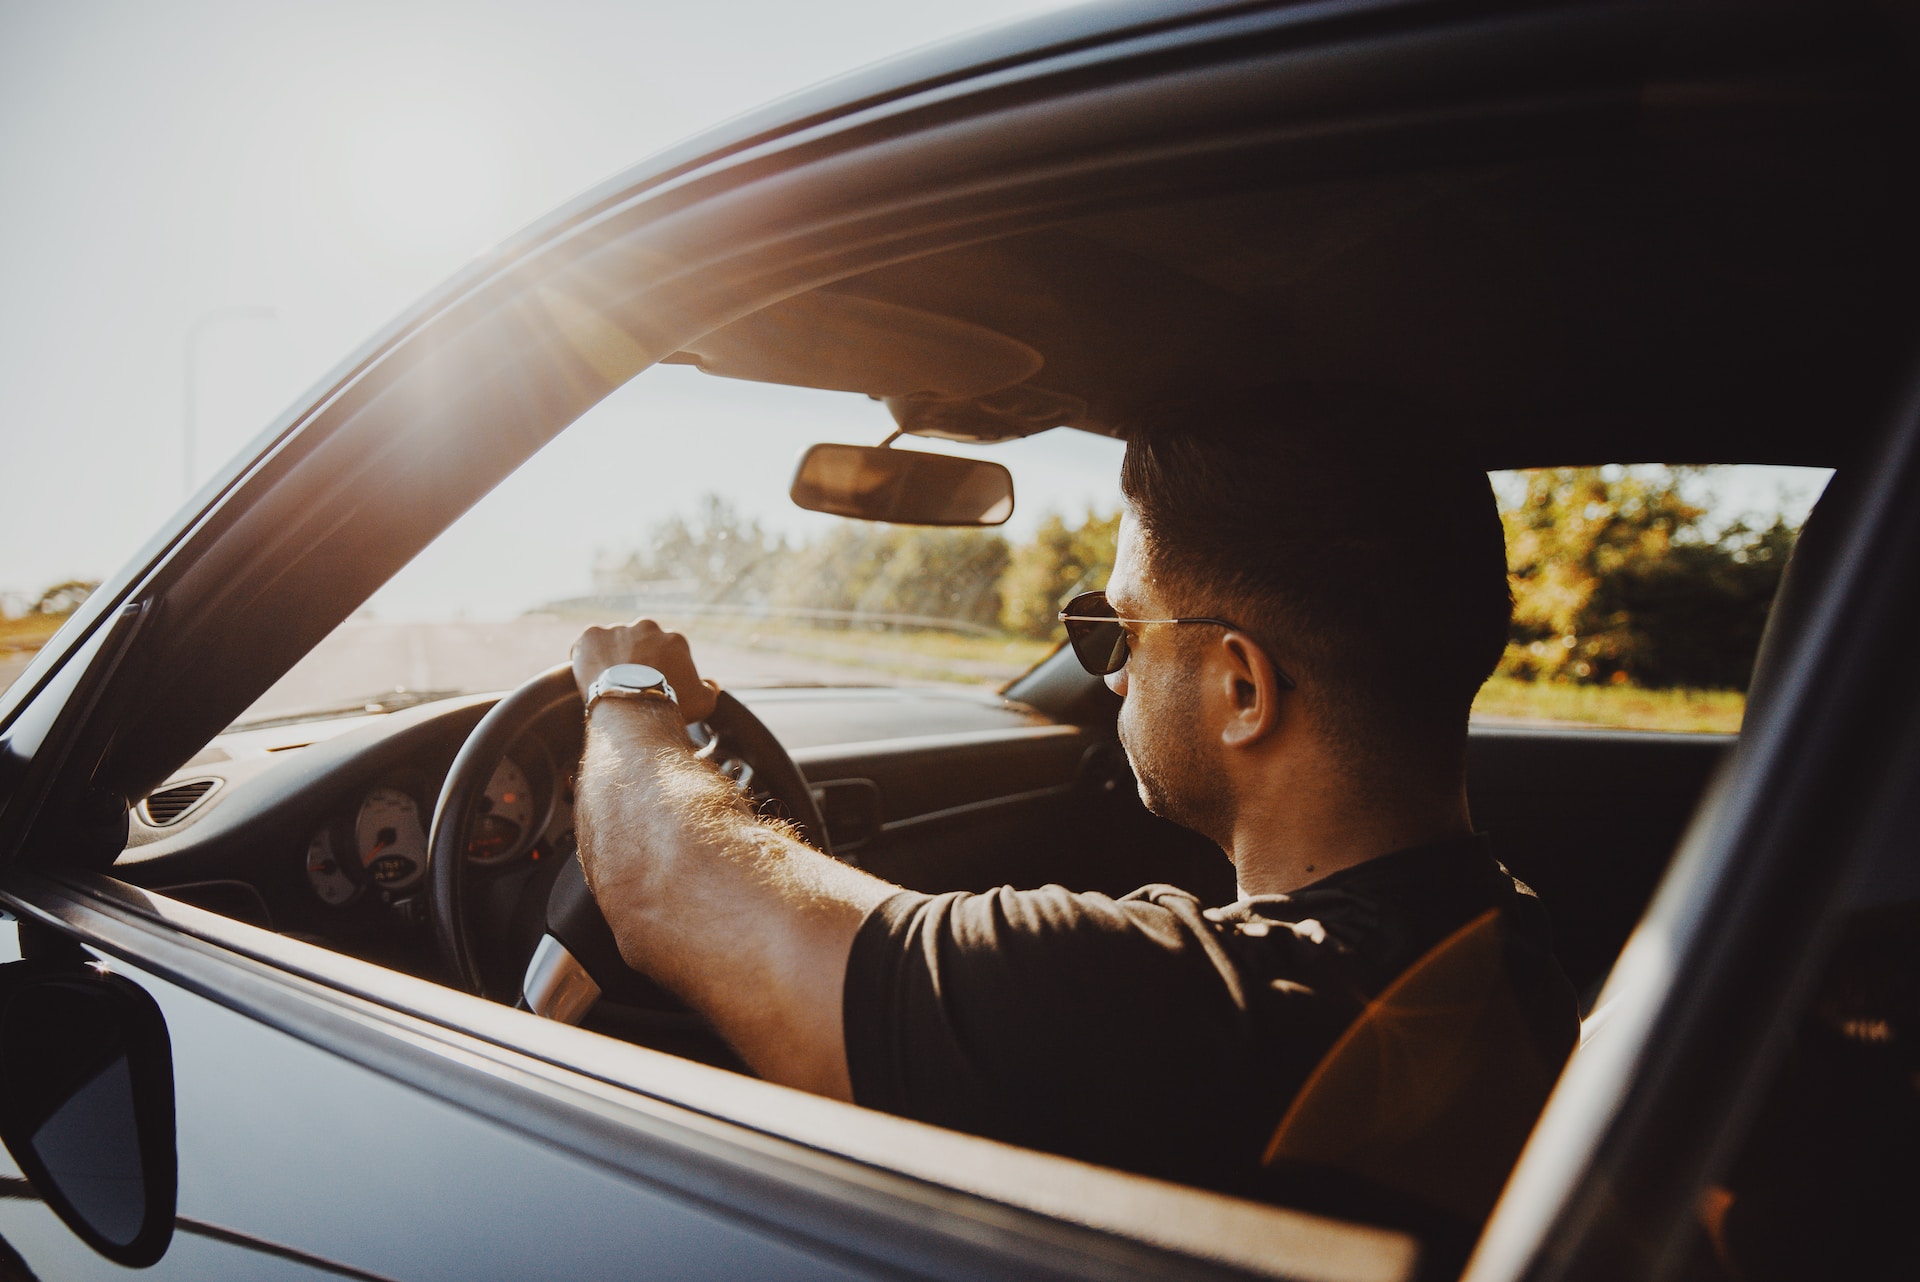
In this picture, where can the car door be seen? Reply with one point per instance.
(337, 1119)
(298, 1161)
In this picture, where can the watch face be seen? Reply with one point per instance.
(635, 676)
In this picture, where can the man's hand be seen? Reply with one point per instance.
(744, 922)
(644, 641)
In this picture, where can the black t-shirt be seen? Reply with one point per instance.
(1150, 1033)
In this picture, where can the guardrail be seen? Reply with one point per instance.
(638, 605)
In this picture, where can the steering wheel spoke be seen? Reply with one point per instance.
(557, 986)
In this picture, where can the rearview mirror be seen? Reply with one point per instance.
(86, 1103)
(906, 487)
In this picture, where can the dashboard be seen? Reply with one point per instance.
(319, 829)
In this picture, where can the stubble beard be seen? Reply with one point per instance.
(1178, 781)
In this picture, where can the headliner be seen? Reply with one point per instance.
(1723, 280)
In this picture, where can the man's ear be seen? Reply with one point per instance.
(1252, 691)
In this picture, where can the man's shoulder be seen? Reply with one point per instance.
(1454, 876)
(1374, 919)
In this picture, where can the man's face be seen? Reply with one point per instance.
(1163, 725)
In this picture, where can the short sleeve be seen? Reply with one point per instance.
(1108, 1029)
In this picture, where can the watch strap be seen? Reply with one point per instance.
(630, 681)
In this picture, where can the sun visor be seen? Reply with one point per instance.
(841, 343)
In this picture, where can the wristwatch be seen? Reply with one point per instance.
(630, 681)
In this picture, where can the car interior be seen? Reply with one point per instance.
(1689, 278)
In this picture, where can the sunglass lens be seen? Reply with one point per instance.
(1101, 646)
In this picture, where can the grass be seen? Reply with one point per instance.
(945, 657)
(28, 632)
(924, 655)
(1626, 707)
(869, 652)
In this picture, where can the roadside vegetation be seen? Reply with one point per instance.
(1626, 707)
(24, 631)
(867, 651)
(1629, 610)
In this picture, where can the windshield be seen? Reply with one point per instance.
(669, 500)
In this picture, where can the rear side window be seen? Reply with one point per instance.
(1640, 592)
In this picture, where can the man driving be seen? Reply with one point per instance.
(1297, 629)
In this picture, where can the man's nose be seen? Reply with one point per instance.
(1117, 681)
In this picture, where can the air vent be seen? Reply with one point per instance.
(171, 804)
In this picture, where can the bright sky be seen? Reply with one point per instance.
(329, 161)
(235, 195)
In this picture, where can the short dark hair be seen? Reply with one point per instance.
(1371, 568)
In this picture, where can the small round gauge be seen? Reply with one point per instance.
(392, 844)
(331, 879)
(504, 825)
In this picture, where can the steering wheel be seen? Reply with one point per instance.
(577, 959)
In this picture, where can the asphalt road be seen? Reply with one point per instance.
(365, 658)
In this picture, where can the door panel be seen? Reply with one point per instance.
(1589, 819)
(295, 1148)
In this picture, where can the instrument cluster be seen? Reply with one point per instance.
(379, 846)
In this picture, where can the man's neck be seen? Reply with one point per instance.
(1291, 833)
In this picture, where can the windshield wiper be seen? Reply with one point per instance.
(386, 701)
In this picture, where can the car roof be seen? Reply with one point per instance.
(962, 60)
(1721, 273)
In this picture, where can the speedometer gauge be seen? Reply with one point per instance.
(392, 844)
(504, 824)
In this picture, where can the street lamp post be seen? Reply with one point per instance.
(201, 324)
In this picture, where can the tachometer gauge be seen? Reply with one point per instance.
(504, 824)
(331, 879)
(393, 846)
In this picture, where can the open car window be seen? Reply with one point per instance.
(1640, 592)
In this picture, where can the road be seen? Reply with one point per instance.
(365, 658)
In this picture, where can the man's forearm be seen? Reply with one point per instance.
(733, 913)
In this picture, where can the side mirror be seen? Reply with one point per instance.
(86, 1103)
(906, 487)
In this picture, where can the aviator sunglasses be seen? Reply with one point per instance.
(1099, 637)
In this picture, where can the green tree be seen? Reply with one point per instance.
(899, 570)
(721, 554)
(1695, 618)
(1059, 561)
(1614, 579)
